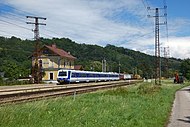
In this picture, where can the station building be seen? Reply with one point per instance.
(51, 60)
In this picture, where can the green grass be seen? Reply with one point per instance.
(137, 106)
(12, 83)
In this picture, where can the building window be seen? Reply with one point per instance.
(40, 62)
(51, 76)
(51, 64)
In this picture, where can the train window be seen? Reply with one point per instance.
(62, 73)
(73, 74)
(91, 75)
(77, 74)
(83, 75)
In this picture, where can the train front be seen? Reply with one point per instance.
(63, 76)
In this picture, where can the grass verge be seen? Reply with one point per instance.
(143, 105)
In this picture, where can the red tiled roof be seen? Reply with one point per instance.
(78, 67)
(60, 52)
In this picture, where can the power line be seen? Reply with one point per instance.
(18, 18)
(147, 3)
(13, 21)
(13, 16)
(137, 37)
(52, 32)
(15, 24)
(144, 4)
(47, 35)
(18, 10)
(22, 27)
(10, 34)
(146, 7)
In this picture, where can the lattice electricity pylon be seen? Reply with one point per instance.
(157, 45)
(36, 68)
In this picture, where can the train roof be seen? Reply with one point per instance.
(88, 71)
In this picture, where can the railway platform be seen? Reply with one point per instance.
(180, 116)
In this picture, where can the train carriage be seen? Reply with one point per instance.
(69, 76)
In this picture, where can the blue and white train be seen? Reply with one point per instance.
(69, 76)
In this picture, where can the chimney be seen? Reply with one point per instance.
(53, 45)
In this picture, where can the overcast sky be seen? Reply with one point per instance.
(123, 23)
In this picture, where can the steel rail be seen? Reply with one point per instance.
(35, 95)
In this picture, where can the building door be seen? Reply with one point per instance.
(51, 76)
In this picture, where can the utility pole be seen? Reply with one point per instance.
(157, 45)
(119, 67)
(166, 56)
(104, 65)
(36, 68)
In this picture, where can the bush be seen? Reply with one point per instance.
(148, 89)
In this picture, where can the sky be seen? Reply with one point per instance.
(123, 23)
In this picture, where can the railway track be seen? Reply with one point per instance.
(35, 93)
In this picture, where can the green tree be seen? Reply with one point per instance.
(185, 68)
(11, 69)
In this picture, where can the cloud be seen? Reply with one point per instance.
(179, 47)
(84, 21)
(178, 26)
(118, 22)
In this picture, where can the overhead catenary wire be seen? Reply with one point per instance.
(19, 11)
(8, 34)
(15, 25)
(26, 28)
(51, 31)
(8, 22)
(146, 6)
(137, 37)
(13, 16)
(16, 17)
